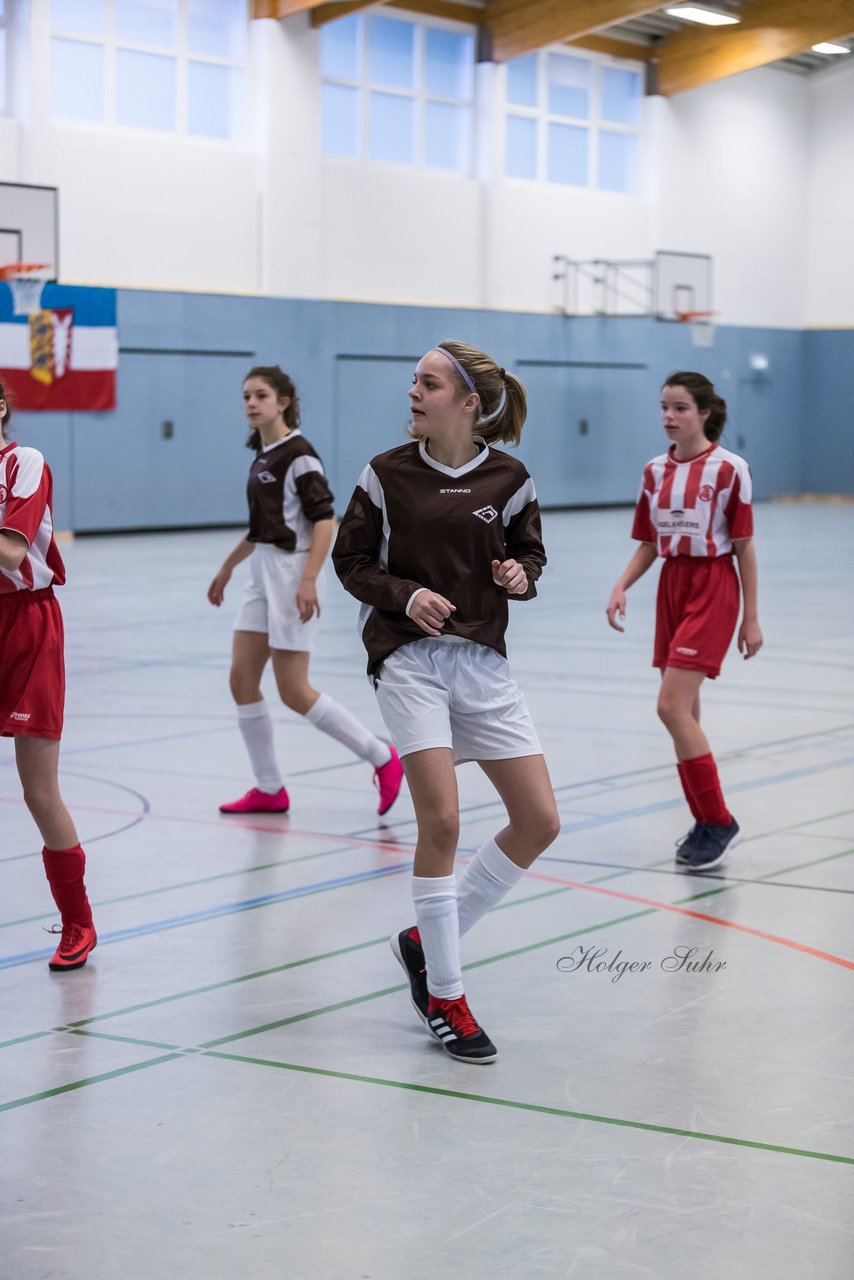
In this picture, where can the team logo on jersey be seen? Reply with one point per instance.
(266, 477)
(706, 493)
(3, 493)
(486, 514)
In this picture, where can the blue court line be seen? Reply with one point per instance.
(679, 803)
(212, 913)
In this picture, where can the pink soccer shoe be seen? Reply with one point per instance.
(387, 780)
(256, 801)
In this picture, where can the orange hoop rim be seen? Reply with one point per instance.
(688, 317)
(21, 270)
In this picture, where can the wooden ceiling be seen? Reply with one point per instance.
(679, 55)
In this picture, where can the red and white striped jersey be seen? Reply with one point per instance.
(26, 491)
(695, 508)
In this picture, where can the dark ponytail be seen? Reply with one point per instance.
(705, 398)
(7, 417)
(283, 385)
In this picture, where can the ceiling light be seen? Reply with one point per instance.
(708, 17)
(824, 47)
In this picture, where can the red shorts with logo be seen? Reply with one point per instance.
(32, 665)
(696, 612)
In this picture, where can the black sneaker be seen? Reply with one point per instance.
(681, 851)
(411, 956)
(710, 845)
(452, 1023)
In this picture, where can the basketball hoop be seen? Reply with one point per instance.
(26, 281)
(702, 326)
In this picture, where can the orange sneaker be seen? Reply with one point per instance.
(77, 941)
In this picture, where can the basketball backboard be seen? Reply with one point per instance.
(29, 225)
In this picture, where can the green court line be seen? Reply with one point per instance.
(769, 875)
(328, 955)
(536, 1108)
(82, 1084)
(105, 1035)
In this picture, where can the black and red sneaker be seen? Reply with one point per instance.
(406, 947)
(74, 946)
(453, 1024)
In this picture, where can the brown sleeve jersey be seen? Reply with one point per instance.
(288, 493)
(414, 523)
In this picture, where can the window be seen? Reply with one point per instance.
(573, 119)
(174, 66)
(397, 91)
(4, 68)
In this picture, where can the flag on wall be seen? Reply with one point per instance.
(64, 355)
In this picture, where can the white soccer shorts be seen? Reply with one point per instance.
(450, 692)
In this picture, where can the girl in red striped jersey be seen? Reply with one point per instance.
(694, 510)
(32, 680)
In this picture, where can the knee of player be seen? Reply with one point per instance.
(40, 796)
(441, 828)
(548, 829)
(299, 699)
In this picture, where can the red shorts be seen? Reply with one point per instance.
(32, 665)
(695, 613)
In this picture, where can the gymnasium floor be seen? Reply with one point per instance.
(236, 1083)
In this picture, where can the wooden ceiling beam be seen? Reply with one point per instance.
(613, 48)
(468, 13)
(769, 30)
(520, 26)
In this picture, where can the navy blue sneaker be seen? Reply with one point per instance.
(411, 957)
(709, 845)
(681, 852)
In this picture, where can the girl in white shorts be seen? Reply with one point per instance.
(439, 535)
(291, 522)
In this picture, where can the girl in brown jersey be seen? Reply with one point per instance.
(32, 680)
(439, 535)
(291, 523)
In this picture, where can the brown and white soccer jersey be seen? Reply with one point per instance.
(413, 523)
(288, 493)
(695, 508)
(693, 512)
(32, 667)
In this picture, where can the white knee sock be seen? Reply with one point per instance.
(330, 717)
(486, 879)
(255, 724)
(435, 899)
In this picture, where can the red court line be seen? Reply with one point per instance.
(699, 915)
(240, 824)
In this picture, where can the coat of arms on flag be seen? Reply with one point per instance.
(59, 351)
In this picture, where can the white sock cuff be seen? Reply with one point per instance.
(317, 712)
(252, 710)
(494, 860)
(433, 888)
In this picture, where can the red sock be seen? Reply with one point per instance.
(703, 785)
(64, 870)
(685, 779)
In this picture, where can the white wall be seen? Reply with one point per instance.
(727, 172)
(733, 161)
(830, 241)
